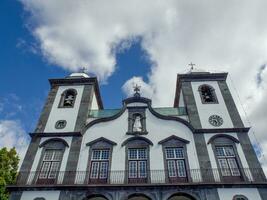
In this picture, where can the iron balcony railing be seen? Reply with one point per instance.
(150, 177)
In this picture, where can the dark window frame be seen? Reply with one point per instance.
(175, 142)
(51, 144)
(99, 144)
(212, 92)
(228, 142)
(138, 143)
(63, 97)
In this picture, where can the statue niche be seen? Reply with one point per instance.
(137, 122)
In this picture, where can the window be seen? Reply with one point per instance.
(240, 197)
(207, 94)
(137, 158)
(50, 164)
(68, 98)
(175, 162)
(227, 160)
(99, 164)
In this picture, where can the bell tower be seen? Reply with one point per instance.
(68, 103)
(208, 100)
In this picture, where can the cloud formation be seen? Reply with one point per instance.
(216, 35)
(12, 135)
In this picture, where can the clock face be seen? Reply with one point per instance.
(215, 120)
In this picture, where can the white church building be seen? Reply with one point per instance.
(197, 149)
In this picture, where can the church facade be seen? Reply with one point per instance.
(197, 149)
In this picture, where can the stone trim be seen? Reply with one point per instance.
(46, 109)
(43, 144)
(84, 107)
(29, 158)
(101, 139)
(55, 134)
(222, 130)
(238, 197)
(223, 136)
(72, 161)
(190, 196)
(174, 137)
(137, 138)
(230, 105)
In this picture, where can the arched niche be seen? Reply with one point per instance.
(138, 197)
(96, 197)
(181, 196)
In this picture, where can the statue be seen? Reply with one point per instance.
(137, 125)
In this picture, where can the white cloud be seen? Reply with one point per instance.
(13, 135)
(145, 89)
(216, 35)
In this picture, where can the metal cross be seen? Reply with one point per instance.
(192, 65)
(137, 88)
(83, 70)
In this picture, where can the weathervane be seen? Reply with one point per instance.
(136, 90)
(192, 66)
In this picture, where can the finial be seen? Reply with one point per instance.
(83, 70)
(136, 90)
(192, 66)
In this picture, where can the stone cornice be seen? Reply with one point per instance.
(56, 134)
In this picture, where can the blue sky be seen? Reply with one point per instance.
(24, 73)
(125, 41)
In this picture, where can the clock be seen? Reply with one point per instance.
(215, 120)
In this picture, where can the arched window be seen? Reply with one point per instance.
(137, 159)
(96, 197)
(228, 161)
(50, 162)
(39, 198)
(181, 196)
(207, 94)
(99, 163)
(68, 98)
(240, 197)
(175, 158)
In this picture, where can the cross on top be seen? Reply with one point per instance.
(192, 65)
(137, 90)
(83, 70)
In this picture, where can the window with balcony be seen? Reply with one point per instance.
(99, 165)
(175, 159)
(99, 160)
(50, 162)
(137, 159)
(227, 161)
(137, 162)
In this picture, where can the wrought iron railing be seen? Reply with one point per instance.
(153, 177)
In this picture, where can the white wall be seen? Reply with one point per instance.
(158, 129)
(181, 99)
(39, 152)
(206, 110)
(68, 114)
(48, 195)
(239, 151)
(94, 103)
(229, 193)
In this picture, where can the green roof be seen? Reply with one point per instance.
(168, 111)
